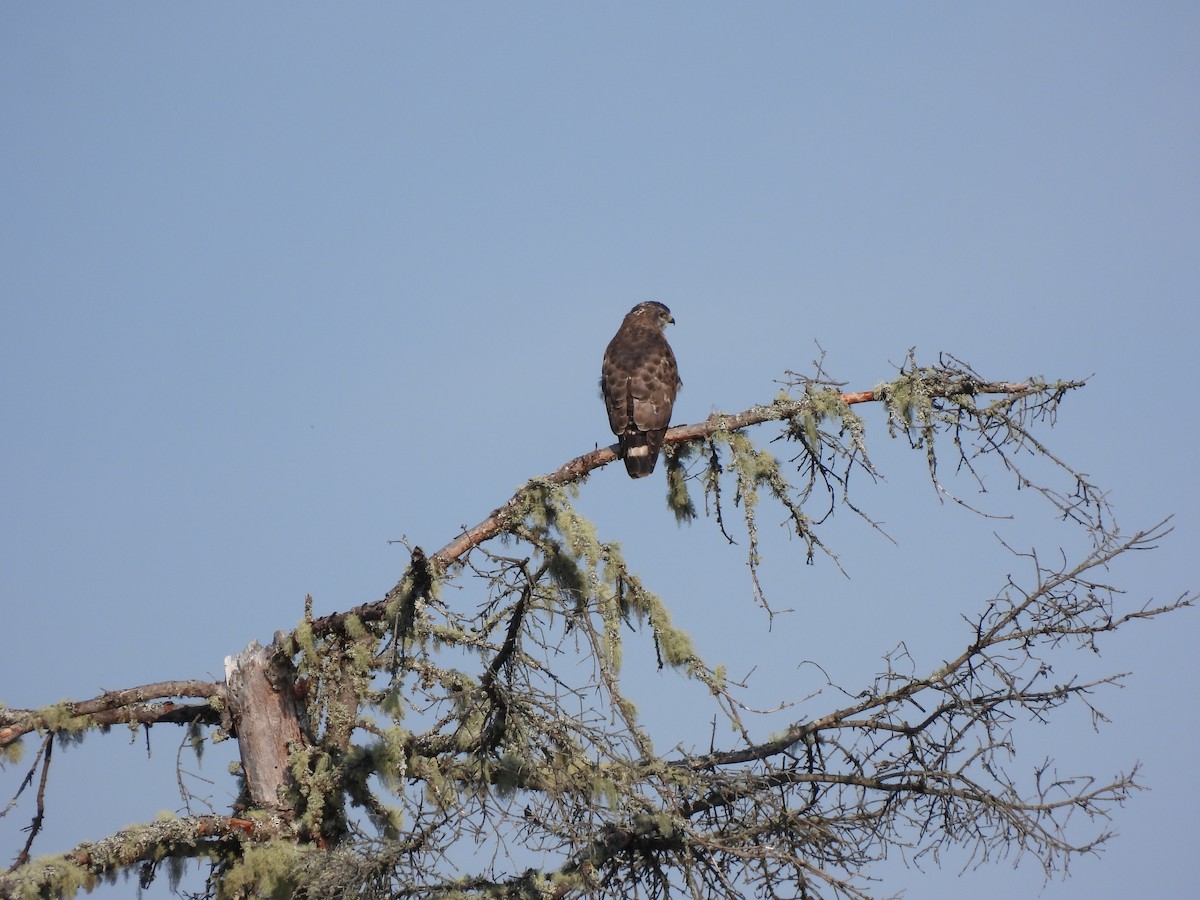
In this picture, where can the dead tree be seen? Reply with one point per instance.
(377, 741)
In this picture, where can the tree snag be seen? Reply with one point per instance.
(263, 716)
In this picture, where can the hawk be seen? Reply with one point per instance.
(639, 380)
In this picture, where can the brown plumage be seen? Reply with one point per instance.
(639, 380)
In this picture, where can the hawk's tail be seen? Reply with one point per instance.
(640, 449)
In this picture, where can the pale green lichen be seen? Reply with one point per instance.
(50, 876)
(679, 500)
(61, 719)
(12, 753)
(264, 871)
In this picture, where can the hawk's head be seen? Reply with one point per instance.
(653, 313)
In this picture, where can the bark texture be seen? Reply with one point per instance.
(264, 717)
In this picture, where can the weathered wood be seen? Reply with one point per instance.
(264, 717)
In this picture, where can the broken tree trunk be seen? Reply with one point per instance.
(260, 690)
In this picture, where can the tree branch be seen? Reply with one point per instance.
(506, 516)
(188, 837)
(116, 708)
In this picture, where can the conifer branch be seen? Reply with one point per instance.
(946, 380)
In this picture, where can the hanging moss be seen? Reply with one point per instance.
(392, 703)
(628, 709)
(510, 774)
(362, 652)
(605, 791)
(679, 500)
(578, 532)
(61, 719)
(12, 753)
(50, 876)
(565, 572)
(195, 740)
(676, 645)
(306, 644)
(264, 871)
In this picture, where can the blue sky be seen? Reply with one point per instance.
(281, 283)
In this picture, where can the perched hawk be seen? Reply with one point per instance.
(639, 381)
